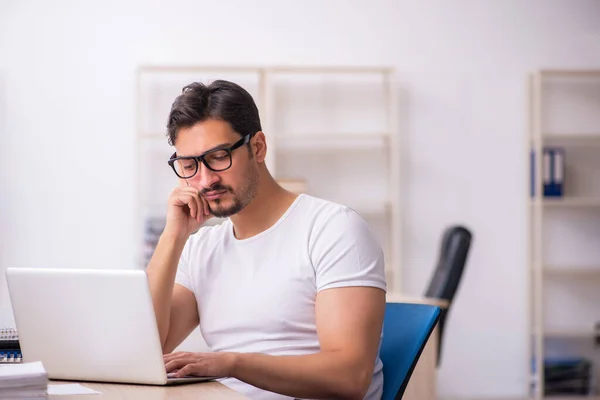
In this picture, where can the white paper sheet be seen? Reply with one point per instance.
(70, 388)
(21, 370)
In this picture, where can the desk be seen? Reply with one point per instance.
(423, 382)
(117, 391)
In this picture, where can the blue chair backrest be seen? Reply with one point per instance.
(406, 329)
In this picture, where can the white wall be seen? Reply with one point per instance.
(67, 131)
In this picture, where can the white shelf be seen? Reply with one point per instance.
(573, 272)
(373, 208)
(315, 141)
(591, 139)
(331, 69)
(573, 397)
(333, 141)
(571, 72)
(365, 208)
(567, 201)
(563, 113)
(569, 333)
(565, 333)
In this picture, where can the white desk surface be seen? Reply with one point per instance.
(117, 391)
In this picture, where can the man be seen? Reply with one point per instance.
(289, 291)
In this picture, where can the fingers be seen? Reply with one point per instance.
(199, 208)
(203, 207)
(185, 366)
(186, 356)
(178, 363)
(191, 197)
(173, 356)
(205, 204)
(195, 369)
(193, 205)
(185, 371)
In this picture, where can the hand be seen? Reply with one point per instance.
(187, 210)
(217, 364)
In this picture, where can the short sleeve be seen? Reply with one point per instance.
(345, 252)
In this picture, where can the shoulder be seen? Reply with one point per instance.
(330, 220)
(326, 212)
(343, 249)
(322, 210)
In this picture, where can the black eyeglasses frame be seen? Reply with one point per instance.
(201, 158)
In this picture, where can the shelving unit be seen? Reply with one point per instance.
(564, 232)
(331, 129)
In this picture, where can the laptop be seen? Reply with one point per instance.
(89, 325)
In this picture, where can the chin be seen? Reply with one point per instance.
(224, 209)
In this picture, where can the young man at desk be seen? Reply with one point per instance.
(289, 291)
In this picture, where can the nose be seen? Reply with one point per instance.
(206, 177)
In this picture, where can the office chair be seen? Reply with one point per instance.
(406, 329)
(452, 258)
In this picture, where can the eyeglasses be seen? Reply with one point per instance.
(216, 160)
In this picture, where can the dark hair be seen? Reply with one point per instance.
(222, 100)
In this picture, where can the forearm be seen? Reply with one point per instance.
(322, 375)
(161, 278)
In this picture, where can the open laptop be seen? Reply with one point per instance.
(89, 325)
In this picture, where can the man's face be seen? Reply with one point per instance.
(227, 192)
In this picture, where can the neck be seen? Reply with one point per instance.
(270, 203)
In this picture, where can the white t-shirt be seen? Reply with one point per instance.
(258, 294)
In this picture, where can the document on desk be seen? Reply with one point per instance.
(70, 388)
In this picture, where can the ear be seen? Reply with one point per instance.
(259, 146)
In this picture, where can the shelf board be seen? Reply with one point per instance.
(329, 141)
(197, 68)
(566, 202)
(590, 139)
(331, 69)
(370, 209)
(570, 72)
(572, 397)
(574, 272)
(373, 208)
(258, 69)
(313, 141)
(567, 333)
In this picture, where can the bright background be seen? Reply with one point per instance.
(67, 126)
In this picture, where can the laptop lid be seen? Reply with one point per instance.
(95, 325)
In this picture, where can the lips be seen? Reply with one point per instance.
(214, 194)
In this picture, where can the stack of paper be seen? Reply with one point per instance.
(23, 381)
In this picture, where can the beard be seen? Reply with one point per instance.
(222, 210)
(241, 198)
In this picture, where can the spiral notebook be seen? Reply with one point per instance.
(10, 350)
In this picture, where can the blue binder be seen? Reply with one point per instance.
(557, 176)
(553, 171)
